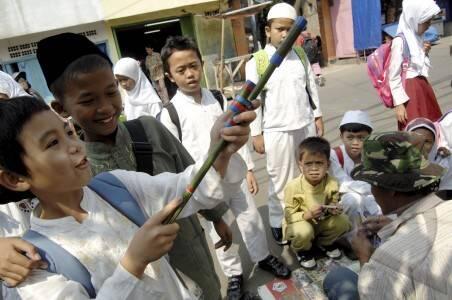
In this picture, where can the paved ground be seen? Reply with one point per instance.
(347, 87)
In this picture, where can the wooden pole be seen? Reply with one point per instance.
(221, 57)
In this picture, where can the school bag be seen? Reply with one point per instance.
(378, 70)
(340, 155)
(142, 149)
(262, 62)
(60, 261)
(175, 117)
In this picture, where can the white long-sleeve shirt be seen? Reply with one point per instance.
(346, 182)
(196, 121)
(286, 101)
(395, 69)
(100, 241)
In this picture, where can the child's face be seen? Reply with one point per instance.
(422, 28)
(185, 71)
(429, 140)
(314, 166)
(278, 30)
(353, 142)
(53, 155)
(94, 102)
(126, 83)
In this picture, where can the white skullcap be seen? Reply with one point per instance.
(356, 116)
(282, 10)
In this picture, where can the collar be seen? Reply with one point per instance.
(419, 207)
(270, 49)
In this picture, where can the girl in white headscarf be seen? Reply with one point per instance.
(416, 98)
(140, 97)
(9, 88)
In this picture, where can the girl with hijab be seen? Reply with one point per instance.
(433, 151)
(415, 98)
(9, 88)
(21, 78)
(140, 97)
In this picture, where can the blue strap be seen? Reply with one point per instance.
(60, 261)
(112, 190)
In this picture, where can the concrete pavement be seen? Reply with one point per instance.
(347, 88)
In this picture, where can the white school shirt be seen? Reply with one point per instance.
(346, 182)
(395, 69)
(286, 102)
(196, 121)
(100, 241)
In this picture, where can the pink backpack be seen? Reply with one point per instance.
(378, 69)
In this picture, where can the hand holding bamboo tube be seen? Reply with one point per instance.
(240, 104)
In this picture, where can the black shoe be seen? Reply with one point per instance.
(278, 236)
(234, 290)
(274, 266)
(306, 259)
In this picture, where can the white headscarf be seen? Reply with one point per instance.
(10, 87)
(415, 12)
(142, 99)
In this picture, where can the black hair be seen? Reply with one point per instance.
(14, 114)
(355, 127)
(177, 43)
(82, 65)
(314, 144)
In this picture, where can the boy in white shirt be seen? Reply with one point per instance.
(287, 116)
(122, 259)
(356, 197)
(197, 109)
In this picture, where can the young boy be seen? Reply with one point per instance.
(82, 81)
(356, 197)
(311, 201)
(197, 109)
(286, 118)
(41, 154)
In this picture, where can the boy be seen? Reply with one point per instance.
(85, 88)
(197, 108)
(123, 260)
(286, 117)
(356, 197)
(311, 201)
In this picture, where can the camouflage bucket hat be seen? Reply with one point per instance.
(393, 160)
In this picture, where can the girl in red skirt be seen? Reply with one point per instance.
(416, 98)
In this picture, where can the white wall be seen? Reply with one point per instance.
(22, 17)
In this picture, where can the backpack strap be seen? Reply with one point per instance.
(174, 117)
(142, 149)
(340, 155)
(219, 96)
(304, 60)
(113, 191)
(262, 61)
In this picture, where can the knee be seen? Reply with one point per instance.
(301, 231)
(339, 224)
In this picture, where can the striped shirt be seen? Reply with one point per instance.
(415, 258)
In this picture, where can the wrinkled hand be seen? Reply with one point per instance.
(251, 181)
(336, 211)
(401, 113)
(258, 144)
(373, 224)
(225, 233)
(319, 126)
(17, 259)
(314, 213)
(361, 246)
(236, 136)
(151, 241)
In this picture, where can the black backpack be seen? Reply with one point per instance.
(142, 149)
(175, 117)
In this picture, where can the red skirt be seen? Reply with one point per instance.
(422, 101)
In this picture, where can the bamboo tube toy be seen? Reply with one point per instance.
(240, 104)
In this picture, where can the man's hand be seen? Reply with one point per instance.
(319, 126)
(258, 144)
(361, 246)
(236, 135)
(314, 213)
(151, 241)
(17, 259)
(401, 114)
(225, 233)
(373, 224)
(251, 181)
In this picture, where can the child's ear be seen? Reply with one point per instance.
(59, 109)
(169, 77)
(13, 182)
(267, 31)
